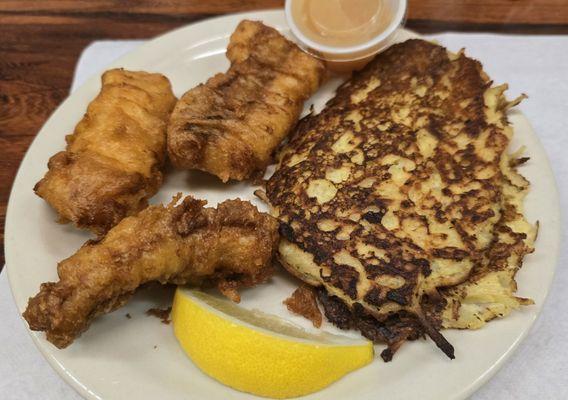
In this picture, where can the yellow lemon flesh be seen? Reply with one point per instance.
(259, 353)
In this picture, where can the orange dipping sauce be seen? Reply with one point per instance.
(341, 23)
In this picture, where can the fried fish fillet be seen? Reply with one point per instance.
(231, 125)
(113, 160)
(394, 189)
(230, 246)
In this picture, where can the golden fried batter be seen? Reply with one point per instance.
(185, 244)
(113, 160)
(231, 125)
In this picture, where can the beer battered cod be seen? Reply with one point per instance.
(394, 190)
(231, 125)
(113, 161)
(230, 246)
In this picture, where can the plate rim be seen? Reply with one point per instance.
(85, 392)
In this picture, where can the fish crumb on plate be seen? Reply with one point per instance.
(304, 302)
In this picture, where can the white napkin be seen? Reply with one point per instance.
(536, 65)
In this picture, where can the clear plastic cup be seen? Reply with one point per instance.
(349, 58)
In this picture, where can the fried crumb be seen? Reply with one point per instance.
(261, 194)
(163, 314)
(228, 289)
(303, 302)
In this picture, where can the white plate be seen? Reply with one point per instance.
(139, 358)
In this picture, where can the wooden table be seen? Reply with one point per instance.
(40, 41)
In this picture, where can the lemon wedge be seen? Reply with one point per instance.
(259, 353)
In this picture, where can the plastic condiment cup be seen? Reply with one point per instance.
(348, 58)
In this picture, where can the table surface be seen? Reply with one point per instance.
(40, 41)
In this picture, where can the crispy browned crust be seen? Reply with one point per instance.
(397, 176)
(489, 291)
(113, 160)
(504, 256)
(231, 125)
(184, 244)
(393, 331)
(303, 302)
